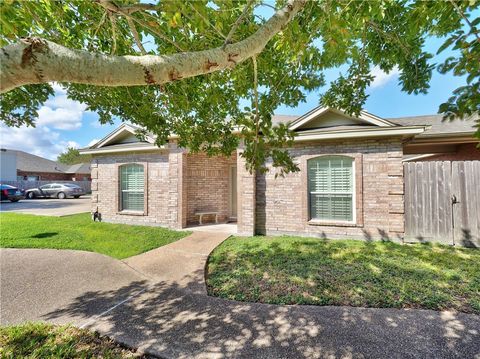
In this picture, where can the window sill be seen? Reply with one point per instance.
(316, 222)
(132, 213)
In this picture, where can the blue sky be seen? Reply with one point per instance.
(63, 122)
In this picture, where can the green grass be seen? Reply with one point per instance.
(80, 232)
(39, 340)
(295, 270)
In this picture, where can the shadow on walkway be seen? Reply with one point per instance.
(173, 319)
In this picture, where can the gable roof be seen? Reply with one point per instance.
(283, 119)
(79, 168)
(28, 162)
(438, 127)
(317, 124)
(365, 118)
(123, 139)
(125, 130)
(32, 163)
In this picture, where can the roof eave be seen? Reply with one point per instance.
(93, 151)
(317, 111)
(362, 133)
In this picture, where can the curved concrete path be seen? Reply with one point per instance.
(157, 302)
(36, 282)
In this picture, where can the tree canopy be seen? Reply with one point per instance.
(204, 70)
(72, 156)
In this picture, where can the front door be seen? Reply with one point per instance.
(233, 193)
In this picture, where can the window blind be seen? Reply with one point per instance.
(330, 186)
(132, 184)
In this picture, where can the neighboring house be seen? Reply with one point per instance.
(19, 165)
(350, 183)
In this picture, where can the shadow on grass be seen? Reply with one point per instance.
(45, 235)
(295, 270)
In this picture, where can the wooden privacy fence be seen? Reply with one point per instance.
(442, 202)
(86, 185)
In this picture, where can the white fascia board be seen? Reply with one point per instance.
(376, 132)
(375, 120)
(364, 115)
(122, 128)
(317, 111)
(89, 151)
(108, 137)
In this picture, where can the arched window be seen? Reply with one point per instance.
(132, 184)
(331, 188)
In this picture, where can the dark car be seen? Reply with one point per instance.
(55, 190)
(10, 193)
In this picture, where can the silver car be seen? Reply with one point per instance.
(55, 190)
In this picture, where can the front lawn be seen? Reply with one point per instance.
(80, 232)
(296, 270)
(39, 340)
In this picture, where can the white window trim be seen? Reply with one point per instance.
(354, 197)
(120, 191)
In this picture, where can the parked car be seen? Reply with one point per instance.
(13, 194)
(55, 190)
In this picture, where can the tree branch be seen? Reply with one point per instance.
(113, 21)
(462, 15)
(34, 60)
(128, 9)
(205, 20)
(237, 23)
(136, 35)
(113, 8)
(255, 99)
(154, 31)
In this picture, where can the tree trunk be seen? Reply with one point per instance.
(34, 60)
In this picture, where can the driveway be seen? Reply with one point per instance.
(48, 207)
(157, 302)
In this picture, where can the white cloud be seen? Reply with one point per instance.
(62, 118)
(92, 142)
(40, 141)
(58, 88)
(73, 144)
(58, 113)
(61, 113)
(381, 77)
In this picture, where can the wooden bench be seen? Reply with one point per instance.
(201, 214)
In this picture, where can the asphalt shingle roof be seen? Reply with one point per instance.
(32, 163)
(439, 125)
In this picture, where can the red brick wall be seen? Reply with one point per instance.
(207, 182)
(81, 176)
(282, 203)
(465, 152)
(161, 191)
(47, 176)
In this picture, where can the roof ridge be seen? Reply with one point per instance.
(394, 118)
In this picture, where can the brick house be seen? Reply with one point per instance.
(350, 182)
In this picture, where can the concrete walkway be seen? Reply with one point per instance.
(181, 263)
(35, 282)
(162, 308)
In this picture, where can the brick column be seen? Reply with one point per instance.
(396, 212)
(246, 198)
(176, 199)
(94, 185)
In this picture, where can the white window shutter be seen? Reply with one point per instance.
(132, 182)
(331, 186)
